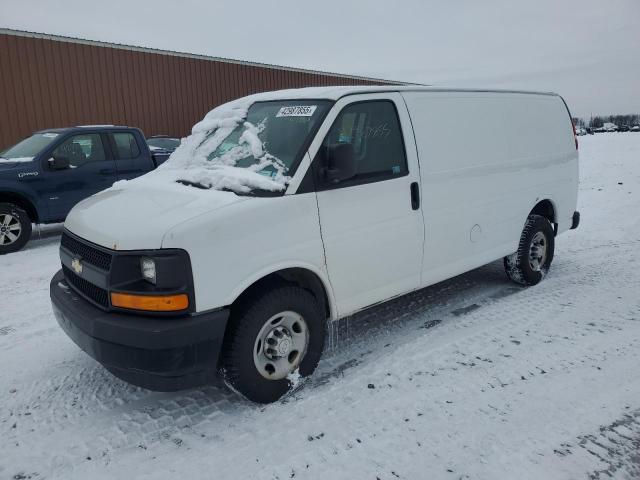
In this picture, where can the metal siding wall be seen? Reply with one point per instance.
(7, 91)
(49, 83)
(19, 114)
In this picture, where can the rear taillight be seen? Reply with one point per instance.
(575, 135)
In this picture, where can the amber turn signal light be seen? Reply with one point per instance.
(151, 303)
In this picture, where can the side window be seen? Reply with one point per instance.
(126, 145)
(81, 149)
(373, 130)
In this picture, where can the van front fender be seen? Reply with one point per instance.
(264, 273)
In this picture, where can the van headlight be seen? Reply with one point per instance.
(148, 269)
(153, 281)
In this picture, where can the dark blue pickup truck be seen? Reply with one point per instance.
(45, 175)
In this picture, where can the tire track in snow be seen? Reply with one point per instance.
(489, 391)
(615, 447)
(140, 418)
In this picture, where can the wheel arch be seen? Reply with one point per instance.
(305, 277)
(21, 201)
(547, 208)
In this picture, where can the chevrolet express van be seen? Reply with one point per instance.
(286, 210)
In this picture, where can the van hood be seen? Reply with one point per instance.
(137, 218)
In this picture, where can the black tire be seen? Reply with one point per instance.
(17, 218)
(248, 319)
(519, 266)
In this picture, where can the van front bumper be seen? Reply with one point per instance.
(162, 354)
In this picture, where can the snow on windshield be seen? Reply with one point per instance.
(194, 160)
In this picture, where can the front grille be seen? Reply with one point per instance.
(96, 294)
(87, 253)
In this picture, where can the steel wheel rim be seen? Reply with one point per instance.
(10, 229)
(538, 251)
(280, 345)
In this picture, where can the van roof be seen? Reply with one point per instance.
(334, 93)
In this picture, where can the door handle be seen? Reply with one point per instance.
(415, 196)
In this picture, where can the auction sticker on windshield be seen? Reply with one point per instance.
(297, 111)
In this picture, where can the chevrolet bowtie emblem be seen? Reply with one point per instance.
(77, 266)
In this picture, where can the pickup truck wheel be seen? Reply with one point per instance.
(269, 338)
(15, 228)
(530, 264)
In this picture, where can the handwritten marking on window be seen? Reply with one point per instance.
(380, 131)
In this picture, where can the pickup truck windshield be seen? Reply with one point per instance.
(271, 138)
(29, 147)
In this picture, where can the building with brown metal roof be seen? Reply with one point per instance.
(49, 81)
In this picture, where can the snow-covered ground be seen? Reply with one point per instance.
(470, 378)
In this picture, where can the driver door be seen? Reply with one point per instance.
(371, 224)
(91, 169)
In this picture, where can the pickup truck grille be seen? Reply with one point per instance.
(89, 254)
(90, 291)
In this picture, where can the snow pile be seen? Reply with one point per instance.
(16, 160)
(474, 378)
(295, 379)
(192, 162)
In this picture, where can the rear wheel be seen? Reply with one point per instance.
(15, 228)
(270, 337)
(530, 264)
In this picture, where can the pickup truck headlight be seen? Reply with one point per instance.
(148, 269)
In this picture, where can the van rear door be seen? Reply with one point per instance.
(371, 223)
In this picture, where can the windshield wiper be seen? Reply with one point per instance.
(193, 184)
(256, 192)
(259, 192)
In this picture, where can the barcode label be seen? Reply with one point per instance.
(297, 111)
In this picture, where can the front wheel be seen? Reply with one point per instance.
(530, 264)
(269, 338)
(15, 228)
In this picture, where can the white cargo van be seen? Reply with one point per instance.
(286, 210)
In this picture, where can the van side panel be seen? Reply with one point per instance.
(540, 134)
(486, 159)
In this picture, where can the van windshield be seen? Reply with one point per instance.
(271, 138)
(247, 146)
(28, 148)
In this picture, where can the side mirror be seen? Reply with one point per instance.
(340, 163)
(159, 157)
(59, 162)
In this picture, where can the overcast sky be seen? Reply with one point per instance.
(586, 50)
